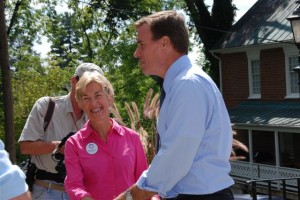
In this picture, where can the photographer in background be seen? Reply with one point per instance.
(67, 117)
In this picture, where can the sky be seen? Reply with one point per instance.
(242, 5)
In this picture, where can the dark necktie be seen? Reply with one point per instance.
(161, 100)
(162, 95)
(160, 82)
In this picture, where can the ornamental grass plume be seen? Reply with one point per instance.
(114, 110)
(132, 117)
(135, 121)
(151, 105)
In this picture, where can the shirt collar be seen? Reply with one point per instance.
(68, 108)
(116, 129)
(180, 64)
(66, 101)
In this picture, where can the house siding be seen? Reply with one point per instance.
(269, 125)
(272, 67)
(235, 78)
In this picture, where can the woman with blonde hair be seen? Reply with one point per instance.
(103, 158)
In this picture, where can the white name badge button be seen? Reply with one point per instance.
(91, 148)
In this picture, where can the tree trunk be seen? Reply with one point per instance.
(7, 89)
(211, 26)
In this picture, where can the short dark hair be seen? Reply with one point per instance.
(168, 23)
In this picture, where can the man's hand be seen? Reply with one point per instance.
(24, 196)
(155, 197)
(122, 196)
(138, 194)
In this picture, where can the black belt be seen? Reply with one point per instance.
(44, 175)
(49, 185)
(226, 192)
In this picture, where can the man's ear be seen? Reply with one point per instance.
(165, 41)
(73, 79)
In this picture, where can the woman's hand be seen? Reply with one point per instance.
(87, 198)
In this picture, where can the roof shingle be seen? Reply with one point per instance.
(266, 114)
(265, 22)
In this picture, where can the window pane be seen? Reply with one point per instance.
(255, 76)
(293, 62)
(289, 148)
(263, 147)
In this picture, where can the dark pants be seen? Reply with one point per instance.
(225, 194)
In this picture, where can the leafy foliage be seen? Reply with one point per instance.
(23, 24)
(92, 31)
(64, 34)
(211, 26)
(29, 85)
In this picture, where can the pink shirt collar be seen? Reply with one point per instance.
(116, 129)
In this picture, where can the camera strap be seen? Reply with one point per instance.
(49, 113)
(28, 167)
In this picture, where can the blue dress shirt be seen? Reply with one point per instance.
(12, 178)
(195, 135)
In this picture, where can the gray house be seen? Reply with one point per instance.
(261, 91)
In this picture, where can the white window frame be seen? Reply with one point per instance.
(290, 52)
(253, 55)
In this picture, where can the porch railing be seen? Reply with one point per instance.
(270, 185)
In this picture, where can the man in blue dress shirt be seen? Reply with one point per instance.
(193, 125)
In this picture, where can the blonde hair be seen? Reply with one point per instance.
(89, 77)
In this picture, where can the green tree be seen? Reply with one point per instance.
(6, 87)
(65, 37)
(103, 36)
(29, 85)
(94, 31)
(211, 26)
(23, 24)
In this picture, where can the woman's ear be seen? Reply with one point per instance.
(111, 101)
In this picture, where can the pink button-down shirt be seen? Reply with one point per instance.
(103, 170)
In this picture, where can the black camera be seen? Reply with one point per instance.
(29, 169)
(60, 158)
(61, 169)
